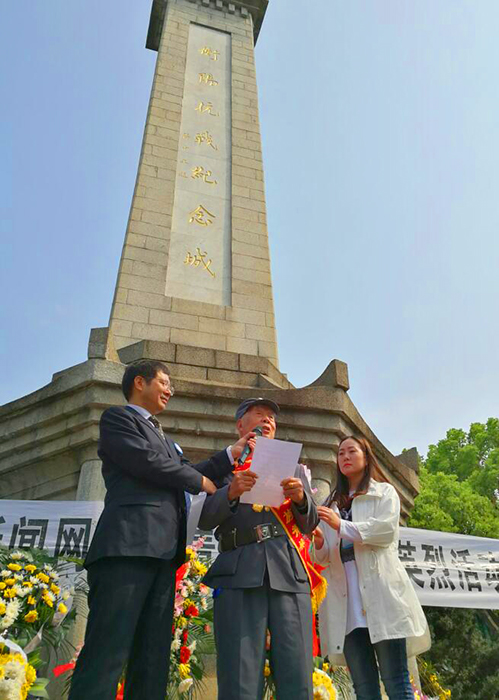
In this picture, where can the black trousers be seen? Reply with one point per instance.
(130, 621)
(242, 617)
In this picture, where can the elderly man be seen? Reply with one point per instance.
(260, 578)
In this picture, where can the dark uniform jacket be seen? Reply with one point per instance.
(144, 510)
(246, 566)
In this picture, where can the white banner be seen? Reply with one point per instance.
(446, 570)
(449, 570)
(63, 528)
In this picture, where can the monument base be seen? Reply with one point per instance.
(49, 438)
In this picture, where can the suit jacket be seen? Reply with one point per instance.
(144, 509)
(245, 567)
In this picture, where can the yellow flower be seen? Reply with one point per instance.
(2, 585)
(10, 581)
(31, 600)
(30, 568)
(30, 679)
(62, 608)
(323, 686)
(257, 508)
(3, 608)
(14, 567)
(55, 589)
(42, 577)
(28, 584)
(326, 666)
(191, 554)
(266, 668)
(9, 593)
(47, 600)
(199, 568)
(182, 621)
(32, 616)
(184, 670)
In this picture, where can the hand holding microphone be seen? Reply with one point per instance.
(242, 448)
(250, 445)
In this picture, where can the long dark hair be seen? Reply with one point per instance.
(340, 495)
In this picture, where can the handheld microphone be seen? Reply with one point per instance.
(247, 449)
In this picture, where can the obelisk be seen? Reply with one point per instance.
(195, 266)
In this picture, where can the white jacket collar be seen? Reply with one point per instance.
(375, 489)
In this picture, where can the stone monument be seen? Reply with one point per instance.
(194, 286)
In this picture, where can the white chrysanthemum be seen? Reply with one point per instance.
(65, 595)
(176, 644)
(11, 615)
(15, 671)
(5, 623)
(320, 693)
(21, 591)
(34, 581)
(185, 685)
(6, 573)
(192, 646)
(47, 567)
(17, 555)
(9, 690)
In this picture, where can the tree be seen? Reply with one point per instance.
(459, 493)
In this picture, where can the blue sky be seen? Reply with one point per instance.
(381, 148)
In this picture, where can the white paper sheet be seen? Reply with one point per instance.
(273, 461)
(197, 503)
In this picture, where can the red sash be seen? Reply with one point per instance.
(284, 514)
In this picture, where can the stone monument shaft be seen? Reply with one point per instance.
(195, 265)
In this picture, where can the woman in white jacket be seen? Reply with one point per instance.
(371, 615)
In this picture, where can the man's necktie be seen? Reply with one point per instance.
(159, 428)
(157, 425)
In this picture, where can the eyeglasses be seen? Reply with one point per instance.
(168, 387)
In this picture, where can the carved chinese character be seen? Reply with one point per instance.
(205, 137)
(199, 259)
(213, 54)
(199, 173)
(207, 79)
(206, 107)
(201, 216)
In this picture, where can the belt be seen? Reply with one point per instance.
(240, 536)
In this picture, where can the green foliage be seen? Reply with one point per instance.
(459, 493)
(460, 482)
(467, 660)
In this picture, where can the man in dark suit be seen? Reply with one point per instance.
(259, 579)
(139, 542)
